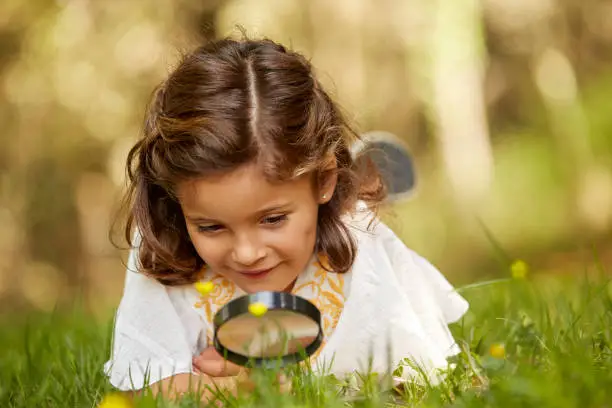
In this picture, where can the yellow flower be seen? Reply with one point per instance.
(258, 309)
(497, 350)
(204, 287)
(115, 400)
(519, 269)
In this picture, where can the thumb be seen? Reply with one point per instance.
(210, 362)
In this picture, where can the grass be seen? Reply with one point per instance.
(544, 342)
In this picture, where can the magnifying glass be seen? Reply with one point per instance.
(267, 329)
(392, 158)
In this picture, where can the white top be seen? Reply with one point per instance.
(392, 301)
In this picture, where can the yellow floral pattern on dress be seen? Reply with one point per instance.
(323, 288)
(224, 291)
(326, 291)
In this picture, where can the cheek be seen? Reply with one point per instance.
(210, 250)
(298, 239)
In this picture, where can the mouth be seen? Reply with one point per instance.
(256, 274)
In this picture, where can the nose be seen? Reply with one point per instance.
(248, 251)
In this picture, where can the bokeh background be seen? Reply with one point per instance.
(505, 104)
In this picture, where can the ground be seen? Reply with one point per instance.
(527, 341)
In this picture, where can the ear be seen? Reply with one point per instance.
(327, 181)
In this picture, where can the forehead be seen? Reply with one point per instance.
(239, 194)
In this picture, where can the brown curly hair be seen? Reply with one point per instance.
(229, 103)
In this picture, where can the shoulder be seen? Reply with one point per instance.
(135, 280)
(378, 243)
(143, 294)
(383, 257)
(370, 231)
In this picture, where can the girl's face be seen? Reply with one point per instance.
(258, 234)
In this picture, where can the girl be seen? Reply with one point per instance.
(244, 178)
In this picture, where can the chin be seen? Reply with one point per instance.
(266, 285)
(263, 287)
(275, 281)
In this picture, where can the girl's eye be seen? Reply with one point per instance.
(274, 220)
(209, 228)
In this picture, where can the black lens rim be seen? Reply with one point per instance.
(273, 301)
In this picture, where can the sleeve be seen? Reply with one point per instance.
(434, 301)
(152, 337)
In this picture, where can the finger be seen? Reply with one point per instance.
(216, 366)
(285, 388)
(216, 355)
(213, 368)
(201, 361)
(220, 367)
(195, 369)
(209, 352)
(284, 383)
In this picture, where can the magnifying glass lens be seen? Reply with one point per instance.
(277, 333)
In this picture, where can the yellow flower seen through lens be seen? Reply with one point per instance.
(204, 287)
(497, 350)
(519, 269)
(258, 309)
(115, 400)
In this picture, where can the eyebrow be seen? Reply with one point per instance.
(276, 207)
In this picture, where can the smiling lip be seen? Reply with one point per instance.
(256, 274)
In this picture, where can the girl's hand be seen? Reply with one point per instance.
(211, 363)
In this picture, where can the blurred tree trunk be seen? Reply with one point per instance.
(458, 98)
(555, 74)
(51, 222)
